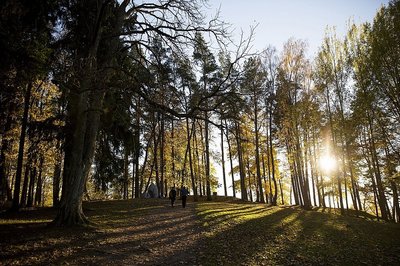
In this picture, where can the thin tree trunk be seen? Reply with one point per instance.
(207, 143)
(375, 166)
(249, 176)
(173, 151)
(126, 173)
(264, 176)
(223, 160)
(162, 155)
(396, 206)
(280, 187)
(24, 123)
(189, 150)
(230, 159)
(243, 188)
(5, 191)
(57, 175)
(271, 150)
(39, 185)
(136, 155)
(257, 151)
(25, 185)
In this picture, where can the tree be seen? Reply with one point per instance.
(290, 94)
(252, 84)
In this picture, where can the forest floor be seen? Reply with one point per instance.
(220, 232)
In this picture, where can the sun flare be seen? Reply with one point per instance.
(327, 163)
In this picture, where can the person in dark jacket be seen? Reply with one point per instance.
(172, 196)
(184, 194)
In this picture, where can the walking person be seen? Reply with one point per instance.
(184, 194)
(172, 196)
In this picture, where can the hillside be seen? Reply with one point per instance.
(150, 232)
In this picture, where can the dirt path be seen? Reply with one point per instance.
(142, 232)
(165, 236)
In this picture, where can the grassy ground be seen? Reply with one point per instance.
(221, 232)
(253, 234)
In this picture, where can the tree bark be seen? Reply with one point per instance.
(243, 188)
(24, 123)
(189, 149)
(223, 160)
(257, 151)
(230, 159)
(207, 143)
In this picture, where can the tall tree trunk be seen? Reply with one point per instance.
(57, 175)
(257, 151)
(223, 160)
(173, 151)
(162, 155)
(355, 194)
(265, 177)
(375, 166)
(25, 185)
(250, 192)
(82, 127)
(280, 187)
(230, 159)
(126, 172)
(136, 154)
(207, 143)
(155, 154)
(243, 188)
(271, 150)
(396, 206)
(39, 185)
(24, 123)
(198, 163)
(5, 190)
(189, 149)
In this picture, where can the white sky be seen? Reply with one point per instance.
(278, 20)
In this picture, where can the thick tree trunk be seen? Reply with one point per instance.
(82, 127)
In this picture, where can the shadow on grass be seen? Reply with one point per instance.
(125, 232)
(290, 236)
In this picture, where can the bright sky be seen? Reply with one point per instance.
(278, 20)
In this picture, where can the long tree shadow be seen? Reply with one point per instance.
(297, 237)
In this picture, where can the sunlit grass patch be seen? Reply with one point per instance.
(253, 234)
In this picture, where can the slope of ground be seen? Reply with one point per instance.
(138, 232)
(252, 234)
(150, 232)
